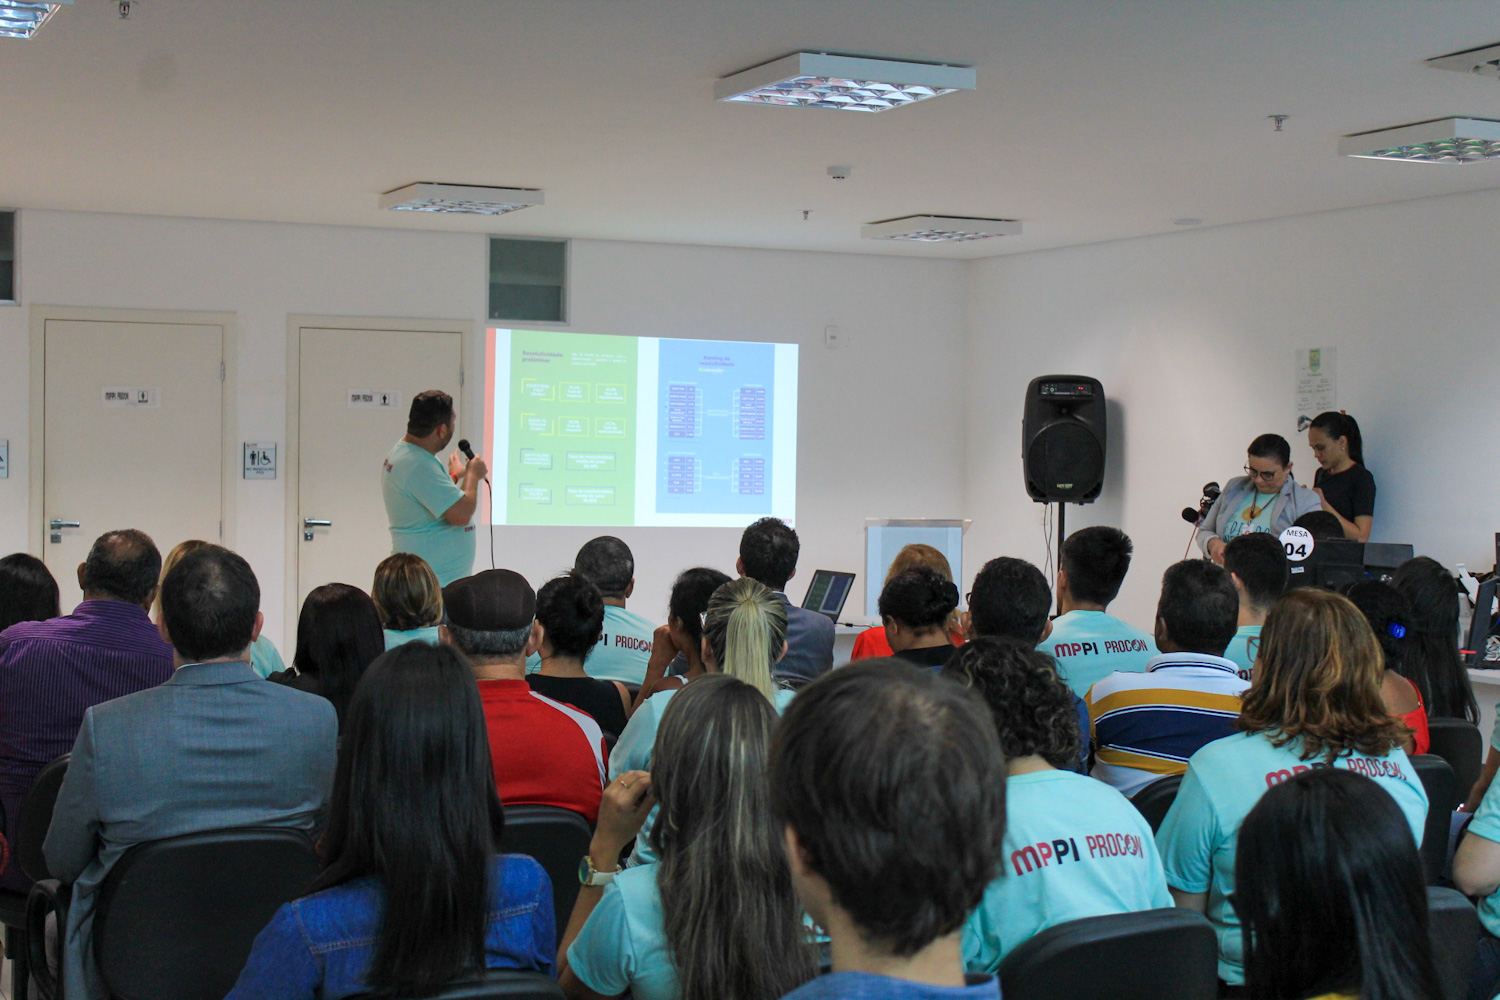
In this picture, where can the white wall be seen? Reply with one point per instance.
(881, 418)
(1193, 336)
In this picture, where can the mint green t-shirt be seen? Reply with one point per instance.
(623, 944)
(1091, 645)
(1237, 523)
(1074, 848)
(1243, 647)
(264, 659)
(636, 744)
(1486, 823)
(400, 637)
(418, 491)
(621, 654)
(1224, 780)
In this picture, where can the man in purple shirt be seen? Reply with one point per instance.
(51, 672)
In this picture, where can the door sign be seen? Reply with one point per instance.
(374, 399)
(114, 395)
(260, 460)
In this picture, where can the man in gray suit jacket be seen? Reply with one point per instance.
(768, 553)
(214, 747)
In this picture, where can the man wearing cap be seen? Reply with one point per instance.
(544, 752)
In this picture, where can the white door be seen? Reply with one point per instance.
(132, 436)
(342, 441)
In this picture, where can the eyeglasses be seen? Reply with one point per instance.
(1265, 477)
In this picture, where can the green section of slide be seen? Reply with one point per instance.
(572, 432)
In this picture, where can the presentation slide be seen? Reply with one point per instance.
(590, 429)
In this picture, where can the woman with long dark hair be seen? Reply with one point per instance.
(1331, 896)
(1431, 658)
(679, 643)
(28, 593)
(1315, 702)
(716, 916)
(338, 636)
(413, 894)
(1342, 483)
(1390, 618)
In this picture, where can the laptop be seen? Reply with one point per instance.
(827, 592)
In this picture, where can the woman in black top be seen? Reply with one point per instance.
(570, 611)
(1342, 482)
(338, 636)
(914, 608)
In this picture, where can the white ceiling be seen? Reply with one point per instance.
(1094, 119)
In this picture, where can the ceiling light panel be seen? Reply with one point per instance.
(460, 199)
(1442, 140)
(846, 83)
(22, 18)
(939, 229)
(1483, 61)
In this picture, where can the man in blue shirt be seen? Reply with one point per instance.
(1088, 643)
(768, 553)
(429, 512)
(891, 783)
(1258, 566)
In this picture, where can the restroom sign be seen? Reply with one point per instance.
(127, 395)
(260, 460)
(374, 399)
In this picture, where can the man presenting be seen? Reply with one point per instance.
(428, 511)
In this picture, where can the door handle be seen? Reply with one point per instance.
(57, 525)
(309, 523)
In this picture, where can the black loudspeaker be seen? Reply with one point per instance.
(1062, 439)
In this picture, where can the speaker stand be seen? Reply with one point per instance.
(1061, 524)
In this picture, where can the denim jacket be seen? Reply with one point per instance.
(320, 946)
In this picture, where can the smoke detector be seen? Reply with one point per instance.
(939, 229)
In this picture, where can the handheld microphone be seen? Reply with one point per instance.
(463, 446)
(1210, 494)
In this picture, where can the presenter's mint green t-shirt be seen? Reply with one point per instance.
(1091, 645)
(623, 944)
(1243, 647)
(418, 491)
(1074, 848)
(1224, 780)
(621, 654)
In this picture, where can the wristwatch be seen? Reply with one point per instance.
(591, 876)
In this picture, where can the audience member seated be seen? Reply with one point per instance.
(744, 634)
(28, 592)
(915, 609)
(408, 600)
(1011, 599)
(768, 554)
(1258, 566)
(1087, 642)
(1321, 525)
(570, 613)
(872, 642)
(413, 819)
(52, 671)
(265, 658)
(677, 646)
(624, 649)
(1315, 702)
(338, 636)
(544, 753)
(891, 784)
(715, 916)
(1389, 617)
(1147, 725)
(1476, 873)
(1331, 894)
(1116, 870)
(1431, 658)
(214, 747)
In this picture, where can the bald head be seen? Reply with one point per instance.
(122, 566)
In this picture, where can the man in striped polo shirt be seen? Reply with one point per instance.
(1147, 725)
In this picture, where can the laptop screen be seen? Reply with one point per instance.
(827, 592)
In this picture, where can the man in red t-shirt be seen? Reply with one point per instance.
(544, 752)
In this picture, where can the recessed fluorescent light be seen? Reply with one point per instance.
(939, 229)
(848, 83)
(1442, 140)
(22, 18)
(460, 199)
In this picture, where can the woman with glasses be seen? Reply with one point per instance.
(1266, 498)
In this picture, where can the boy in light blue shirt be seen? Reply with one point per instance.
(625, 648)
(1088, 643)
(1258, 565)
(428, 512)
(1074, 847)
(891, 783)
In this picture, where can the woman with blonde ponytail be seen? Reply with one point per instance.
(744, 634)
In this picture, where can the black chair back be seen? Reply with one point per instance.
(1442, 798)
(1453, 925)
(1461, 744)
(36, 817)
(1156, 798)
(498, 984)
(175, 918)
(1151, 955)
(558, 839)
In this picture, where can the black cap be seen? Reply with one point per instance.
(497, 600)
